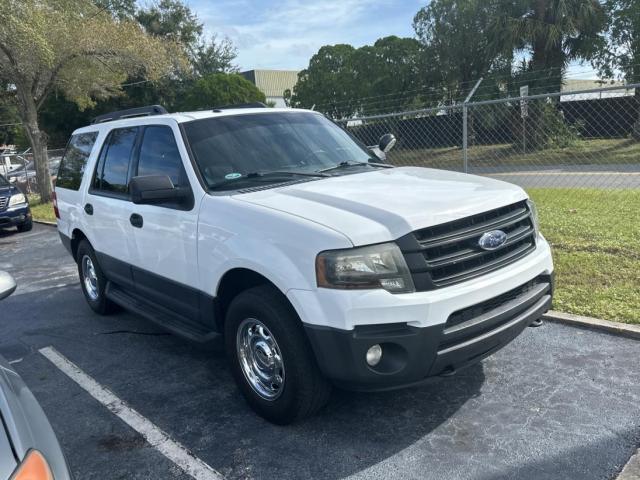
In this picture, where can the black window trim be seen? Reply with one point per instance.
(64, 154)
(103, 152)
(184, 178)
(133, 167)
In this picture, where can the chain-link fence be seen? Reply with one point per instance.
(575, 139)
(19, 169)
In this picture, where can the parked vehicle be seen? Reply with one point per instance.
(319, 264)
(27, 174)
(29, 449)
(14, 207)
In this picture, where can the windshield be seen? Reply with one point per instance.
(234, 146)
(3, 181)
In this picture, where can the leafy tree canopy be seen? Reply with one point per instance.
(340, 78)
(218, 89)
(455, 35)
(621, 53)
(552, 33)
(76, 48)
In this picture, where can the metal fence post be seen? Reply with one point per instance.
(465, 162)
(465, 126)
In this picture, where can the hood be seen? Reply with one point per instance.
(385, 204)
(6, 190)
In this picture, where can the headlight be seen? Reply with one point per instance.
(17, 199)
(534, 216)
(374, 266)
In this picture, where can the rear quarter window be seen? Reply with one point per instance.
(74, 160)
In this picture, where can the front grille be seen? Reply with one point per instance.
(3, 203)
(449, 253)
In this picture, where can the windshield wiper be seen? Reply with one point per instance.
(266, 176)
(348, 164)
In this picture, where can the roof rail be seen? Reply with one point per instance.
(131, 113)
(241, 105)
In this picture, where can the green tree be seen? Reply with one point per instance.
(329, 82)
(76, 48)
(213, 55)
(455, 35)
(621, 54)
(552, 32)
(171, 19)
(218, 89)
(389, 73)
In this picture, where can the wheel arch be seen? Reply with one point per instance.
(77, 236)
(236, 281)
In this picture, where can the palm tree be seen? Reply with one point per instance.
(553, 32)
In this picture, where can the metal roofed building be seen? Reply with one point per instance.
(577, 85)
(272, 83)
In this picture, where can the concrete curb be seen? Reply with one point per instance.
(615, 328)
(43, 222)
(631, 470)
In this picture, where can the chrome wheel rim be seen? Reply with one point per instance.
(89, 278)
(260, 359)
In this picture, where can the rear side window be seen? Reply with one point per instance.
(74, 160)
(112, 172)
(159, 154)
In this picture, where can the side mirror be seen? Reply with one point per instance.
(7, 285)
(152, 189)
(387, 142)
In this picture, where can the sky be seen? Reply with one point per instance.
(284, 34)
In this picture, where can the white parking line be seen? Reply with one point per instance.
(158, 439)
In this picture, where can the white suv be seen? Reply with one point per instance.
(319, 263)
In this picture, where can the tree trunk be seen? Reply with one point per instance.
(37, 138)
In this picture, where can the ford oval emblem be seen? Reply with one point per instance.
(492, 240)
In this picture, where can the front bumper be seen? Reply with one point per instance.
(412, 355)
(14, 216)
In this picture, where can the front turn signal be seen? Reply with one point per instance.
(33, 467)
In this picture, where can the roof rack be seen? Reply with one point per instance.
(131, 113)
(240, 105)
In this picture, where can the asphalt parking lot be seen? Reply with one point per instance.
(558, 402)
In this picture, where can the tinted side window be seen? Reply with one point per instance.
(159, 154)
(74, 160)
(113, 166)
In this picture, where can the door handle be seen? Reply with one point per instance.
(88, 208)
(136, 220)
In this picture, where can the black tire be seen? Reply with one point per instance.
(99, 304)
(26, 226)
(305, 390)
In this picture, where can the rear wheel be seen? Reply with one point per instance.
(92, 280)
(271, 358)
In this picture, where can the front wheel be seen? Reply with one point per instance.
(271, 358)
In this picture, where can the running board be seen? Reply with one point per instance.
(161, 316)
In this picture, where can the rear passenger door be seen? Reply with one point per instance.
(108, 208)
(166, 269)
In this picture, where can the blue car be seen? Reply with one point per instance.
(14, 207)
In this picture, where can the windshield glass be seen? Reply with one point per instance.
(3, 181)
(231, 147)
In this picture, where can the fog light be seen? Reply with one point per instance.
(374, 354)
